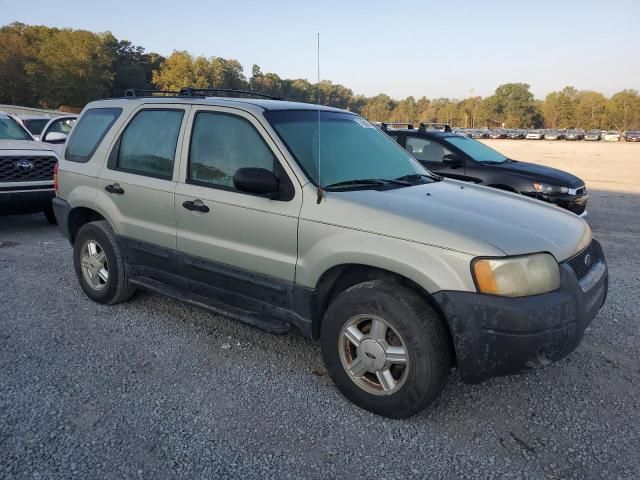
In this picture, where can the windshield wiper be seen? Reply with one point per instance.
(416, 176)
(366, 182)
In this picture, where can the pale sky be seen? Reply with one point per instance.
(431, 48)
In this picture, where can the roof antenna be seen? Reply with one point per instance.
(320, 190)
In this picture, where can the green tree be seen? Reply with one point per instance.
(623, 111)
(513, 105)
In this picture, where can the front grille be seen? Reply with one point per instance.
(581, 190)
(577, 263)
(24, 168)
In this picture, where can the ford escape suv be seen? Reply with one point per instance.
(283, 214)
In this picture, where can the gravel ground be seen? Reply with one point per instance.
(158, 389)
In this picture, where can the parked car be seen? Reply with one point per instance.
(611, 136)
(242, 207)
(57, 130)
(632, 136)
(574, 135)
(554, 135)
(34, 123)
(593, 135)
(472, 161)
(516, 135)
(535, 135)
(26, 171)
(498, 134)
(479, 134)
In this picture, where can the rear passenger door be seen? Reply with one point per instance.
(243, 242)
(138, 181)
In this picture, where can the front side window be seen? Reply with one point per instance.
(220, 145)
(148, 144)
(11, 130)
(62, 126)
(426, 150)
(334, 147)
(91, 129)
(478, 151)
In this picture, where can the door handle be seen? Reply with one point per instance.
(195, 206)
(114, 188)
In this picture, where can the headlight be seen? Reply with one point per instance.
(516, 276)
(546, 188)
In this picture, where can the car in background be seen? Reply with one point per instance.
(535, 135)
(574, 134)
(34, 123)
(498, 134)
(462, 158)
(516, 134)
(611, 136)
(26, 171)
(554, 135)
(632, 136)
(593, 135)
(57, 130)
(479, 134)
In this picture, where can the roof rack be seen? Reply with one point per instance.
(443, 127)
(385, 125)
(194, 92)
(135, 92)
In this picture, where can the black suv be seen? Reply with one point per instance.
(455, 156)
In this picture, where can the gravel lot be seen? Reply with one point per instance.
(157, 389)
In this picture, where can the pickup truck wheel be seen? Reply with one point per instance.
(99, 265)
(385, 348)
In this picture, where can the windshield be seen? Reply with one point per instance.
(351, 148)
(35, 126)
(478, 151)
(10, 130)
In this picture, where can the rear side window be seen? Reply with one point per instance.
(89, 132)
(148, 144)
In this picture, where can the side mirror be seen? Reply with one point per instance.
(452, 159)
(54, 137)
(258, 181)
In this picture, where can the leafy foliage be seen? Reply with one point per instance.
(51, 67)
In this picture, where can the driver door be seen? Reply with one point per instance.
(431, 154)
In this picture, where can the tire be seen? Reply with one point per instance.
(50, 216)
(413, 324)
(112, 287)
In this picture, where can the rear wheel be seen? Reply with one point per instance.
(99, 265)
(385, 348)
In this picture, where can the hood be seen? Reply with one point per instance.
(460, 216)
(540, 173)
(24, 145)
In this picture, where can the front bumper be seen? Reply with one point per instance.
(496, 336)
(24, 200)
(574, 203)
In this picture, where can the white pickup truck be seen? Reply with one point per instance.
(26, 170)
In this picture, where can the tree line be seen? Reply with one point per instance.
(52, 68)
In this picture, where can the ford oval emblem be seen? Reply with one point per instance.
(24, 165)
(587, 260)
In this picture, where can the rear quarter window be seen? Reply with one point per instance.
(89, 132)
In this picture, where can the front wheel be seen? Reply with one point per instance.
(385, 348)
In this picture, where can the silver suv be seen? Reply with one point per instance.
(283, 214)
